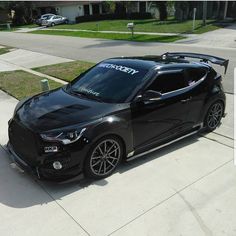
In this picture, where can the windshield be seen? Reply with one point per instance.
(46, 17)
(109, 82)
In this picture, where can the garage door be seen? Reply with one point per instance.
(71, 12)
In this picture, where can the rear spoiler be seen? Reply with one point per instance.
(203, 57)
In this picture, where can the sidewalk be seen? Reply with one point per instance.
(112, 32)
(26, 30)
(187, 188)
(20, 59)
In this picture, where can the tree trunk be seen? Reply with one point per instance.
(218, 10)
(225, 10)
(204, 13)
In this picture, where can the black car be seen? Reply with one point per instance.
(117, 110)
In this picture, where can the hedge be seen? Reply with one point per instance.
(131, 16)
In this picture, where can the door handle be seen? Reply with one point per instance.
(186, 100)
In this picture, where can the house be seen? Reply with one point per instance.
(133, 6)
(138, 6)
(73, 9)
(69, 9)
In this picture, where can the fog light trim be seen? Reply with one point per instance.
(57, 165)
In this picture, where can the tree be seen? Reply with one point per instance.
(120, 8)
(23, 12)
(109, 6)
(204, 13)
(162, 7)
(181, 10)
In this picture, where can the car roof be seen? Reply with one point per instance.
(48, 14)
(148, 62)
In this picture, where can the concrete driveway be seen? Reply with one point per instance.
(224, 37)
(187, 188)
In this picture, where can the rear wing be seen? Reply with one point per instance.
(203, 57)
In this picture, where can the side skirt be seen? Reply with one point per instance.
(199, 127)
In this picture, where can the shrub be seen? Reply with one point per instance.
(131, 16)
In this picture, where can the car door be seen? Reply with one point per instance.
(60, 20)
(157, 120)
(56, 20)
(196, 79)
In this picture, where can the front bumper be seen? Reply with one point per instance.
(22, 164)
(27, 150)
(46, 172)
(46, 23)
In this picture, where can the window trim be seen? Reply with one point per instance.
(197, 68)
(167, 72)
(187, 87)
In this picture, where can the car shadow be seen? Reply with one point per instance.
(20, 190)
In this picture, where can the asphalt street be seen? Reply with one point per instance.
(98, 49)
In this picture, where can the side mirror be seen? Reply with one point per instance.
(151, 95)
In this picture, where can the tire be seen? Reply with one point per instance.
(214, 116)
(104, 157)
(52, 24)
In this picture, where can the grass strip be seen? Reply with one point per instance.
(21, 84)
(113, 36)
(146, 25)
(65, 71)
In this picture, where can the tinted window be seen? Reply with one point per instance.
(168, 82)
(109, 82)
(194, 74)
(47, 17)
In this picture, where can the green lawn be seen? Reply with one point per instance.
(28, 26)
(138, 38)
(4, 50)
(150, 25)
(21, 84)
(5, 29)
(65, 71)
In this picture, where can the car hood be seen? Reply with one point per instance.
(57, 109)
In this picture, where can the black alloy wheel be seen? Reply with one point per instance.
(104, 157)
(214, 115)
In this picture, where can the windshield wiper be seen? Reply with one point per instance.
(87, 95)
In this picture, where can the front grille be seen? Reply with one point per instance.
(23, 142)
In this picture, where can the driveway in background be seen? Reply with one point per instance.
(224, 37)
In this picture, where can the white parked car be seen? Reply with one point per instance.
(43, 17)
(55, 20)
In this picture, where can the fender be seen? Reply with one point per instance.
(215, 94)
(113, 125)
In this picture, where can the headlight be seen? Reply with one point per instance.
(66, 137)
